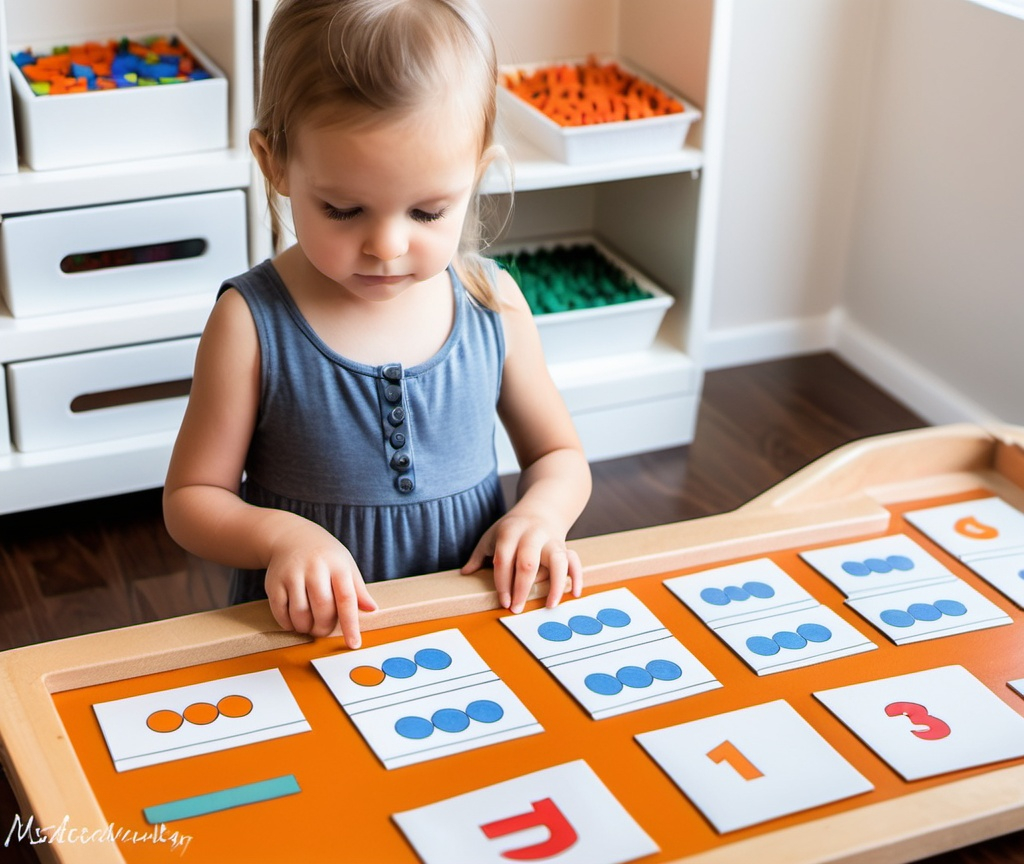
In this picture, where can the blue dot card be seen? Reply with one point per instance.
(930, 612)
(736, 593)
(424, 698)
(930, 722)
(564, 813)
(611, 653)
(1005, 574)
(752, 765)
(766, 617)
(877, 565)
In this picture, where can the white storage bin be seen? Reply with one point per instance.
(42, 393)
(8, 149)
(599, 331)
(122, 253)
(72, 129)
(581, 145)
(5, 423)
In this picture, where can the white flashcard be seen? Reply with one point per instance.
(930, 612)
(1018, 685)
(740, 592)
(199, 718)
(931, 722)
(611, 653)
(969, 529)
(877, 566)
(424, 698)
(752, 765)
(1005, 574)
(794, 639)
(563, 814)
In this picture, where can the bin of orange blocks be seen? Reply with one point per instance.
(591, 110)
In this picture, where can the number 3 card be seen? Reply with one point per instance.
(751, 765)
(930, 722)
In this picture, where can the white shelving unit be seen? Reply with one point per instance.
(653, 212)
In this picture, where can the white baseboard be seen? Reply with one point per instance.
(886, 367)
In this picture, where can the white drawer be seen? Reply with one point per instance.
(122, 253)
(5, 423)
(55, 402)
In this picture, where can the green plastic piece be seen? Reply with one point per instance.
(564, 278)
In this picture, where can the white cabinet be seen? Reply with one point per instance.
(653, 212)
(118, 454)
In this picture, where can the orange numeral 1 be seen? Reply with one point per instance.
(727, 752)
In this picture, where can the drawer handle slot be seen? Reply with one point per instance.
(151, 253)
(131, 395)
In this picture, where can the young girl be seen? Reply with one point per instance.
(352, 381)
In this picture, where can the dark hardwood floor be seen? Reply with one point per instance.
(109, 563)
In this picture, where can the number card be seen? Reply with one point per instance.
(564, 813)
(200, 718)
(930, 722)
(424, 698)
(763, 615)
(985, 534)
(903, 591)
(752, 765)
(611, 653)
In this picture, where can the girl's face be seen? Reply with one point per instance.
(380, 207)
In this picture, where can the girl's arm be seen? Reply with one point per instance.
(554, 483)
(312, 582)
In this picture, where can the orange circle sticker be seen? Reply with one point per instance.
(201, 713)
(234, 706)
(366, 676)
(164, 721)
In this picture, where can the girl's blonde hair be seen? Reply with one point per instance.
(351, 58)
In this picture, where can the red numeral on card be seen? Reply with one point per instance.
(561, 834)
(727, 752)
(919, 716)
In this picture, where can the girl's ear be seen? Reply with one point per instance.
(271, 167)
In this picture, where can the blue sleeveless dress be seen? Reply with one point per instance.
(397, 462)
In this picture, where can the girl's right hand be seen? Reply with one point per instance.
(315, 587)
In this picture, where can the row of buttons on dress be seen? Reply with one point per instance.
(396, 429)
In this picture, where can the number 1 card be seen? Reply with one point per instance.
(752, 765)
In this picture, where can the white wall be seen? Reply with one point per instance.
(936, 267)
(873, 197)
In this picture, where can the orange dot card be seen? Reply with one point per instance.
(201, 718)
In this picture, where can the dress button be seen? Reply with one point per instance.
(396, 416)
(392, 373)
(393, 393)
(401, 462)
(397, 439)
(405, 484)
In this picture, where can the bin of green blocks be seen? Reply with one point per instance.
(587, 302)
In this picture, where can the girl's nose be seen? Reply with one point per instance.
(386, 240)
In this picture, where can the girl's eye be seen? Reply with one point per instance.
(424, 216)
(340, 215)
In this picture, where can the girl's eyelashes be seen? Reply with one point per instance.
(340, 215)
(424, 216)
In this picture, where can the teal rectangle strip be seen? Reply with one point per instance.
(224, 799)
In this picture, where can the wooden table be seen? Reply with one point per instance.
(58, 765)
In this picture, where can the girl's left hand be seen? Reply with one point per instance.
(521, 547)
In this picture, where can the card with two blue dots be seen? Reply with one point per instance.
(424, 698)
(611, 653)
(903, 591)
(766, 617)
